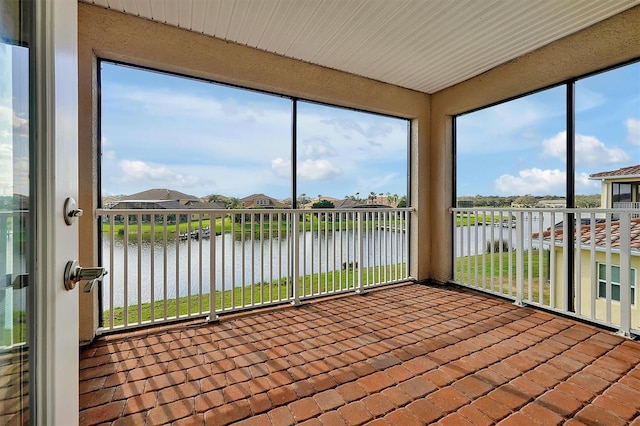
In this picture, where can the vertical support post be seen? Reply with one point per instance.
(625, 274)
(295, 257)
(360, 265)
(570, 231)
(519, 258)
(294, 153)
(578, 264)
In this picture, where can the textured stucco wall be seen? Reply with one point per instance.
(611, 42)
(116, 36)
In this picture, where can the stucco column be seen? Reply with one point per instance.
(87, 183)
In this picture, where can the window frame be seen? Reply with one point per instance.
(603, 281)
(294, 119)
(616, 192)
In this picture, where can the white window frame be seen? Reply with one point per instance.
(603, 281)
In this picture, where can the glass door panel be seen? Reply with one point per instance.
(14, 211)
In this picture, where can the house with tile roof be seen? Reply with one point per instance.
(599, 255)
(261, 201)
(162, 199)
(161, 194)
(620, 188)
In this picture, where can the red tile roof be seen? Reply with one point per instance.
(600, 235)
(625, 171)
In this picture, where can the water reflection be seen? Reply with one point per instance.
(183, 266)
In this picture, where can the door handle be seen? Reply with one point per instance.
(74, 273)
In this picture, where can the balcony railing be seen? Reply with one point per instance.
(635, 205)
(525, 255)
(168, 265)
(627, 205)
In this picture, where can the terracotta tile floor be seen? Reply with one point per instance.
(403, 355)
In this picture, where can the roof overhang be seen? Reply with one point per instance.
(421, 45)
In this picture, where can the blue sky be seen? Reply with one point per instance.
(518, 147)
(161, 131)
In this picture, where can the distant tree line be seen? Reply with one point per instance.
(582, 201)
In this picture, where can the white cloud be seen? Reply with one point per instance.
(281, 167)
(532, 181)
(542, 182)
(350, 138)
(139, 171)
(319, 150)
(589, 150)
(633, 130)
(318, 169)
(19, 125)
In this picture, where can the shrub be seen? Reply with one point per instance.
(497, 244)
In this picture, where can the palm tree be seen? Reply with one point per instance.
(301, 200)
(232, 203)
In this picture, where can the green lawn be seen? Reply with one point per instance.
(254, 294)
(465, 219)
(466, 273)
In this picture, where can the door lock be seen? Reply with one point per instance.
(74, 273)
(71, 212)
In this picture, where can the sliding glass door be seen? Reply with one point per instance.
(15, 234)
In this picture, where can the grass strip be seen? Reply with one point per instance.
(255, 294)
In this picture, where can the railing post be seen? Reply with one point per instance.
(519, 259)
(213, 316)
(360, 266)
(625, 275)
(295, 258)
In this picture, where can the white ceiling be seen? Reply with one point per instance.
(425, 45)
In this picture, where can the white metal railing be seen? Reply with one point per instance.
(627, 205)
(635, 206)
(167, 265)
(525, 255)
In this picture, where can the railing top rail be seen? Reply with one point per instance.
(11, 212)
(249, 211)
(548, 209)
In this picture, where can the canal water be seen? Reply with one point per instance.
(186, 264)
